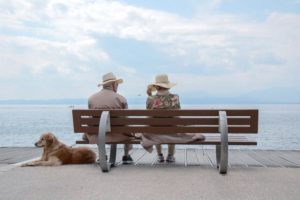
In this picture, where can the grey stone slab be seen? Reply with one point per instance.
(246, 159)
(191, 157)
(187, 156)
(290, 156)
(265, 161)
(138, 155)
(4, 152)
(19, 154)
(202, 158)
(147, 158)
(276, 158)
(211, 155)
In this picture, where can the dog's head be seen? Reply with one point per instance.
(46, 140)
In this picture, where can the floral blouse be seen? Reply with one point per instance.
(168, 101)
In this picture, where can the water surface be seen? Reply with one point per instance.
(21, 125)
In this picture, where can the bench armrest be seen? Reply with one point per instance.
(104, 126)
(222, 150)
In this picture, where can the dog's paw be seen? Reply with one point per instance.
(28, 164)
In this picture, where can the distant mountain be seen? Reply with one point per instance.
(276, 95)
(78, 101)
(43, 102)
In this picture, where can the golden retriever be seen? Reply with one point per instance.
(56, 153)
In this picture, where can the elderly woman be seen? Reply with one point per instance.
(163, 99)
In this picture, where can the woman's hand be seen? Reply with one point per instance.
(149, 91)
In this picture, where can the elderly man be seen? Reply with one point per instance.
(108, 98)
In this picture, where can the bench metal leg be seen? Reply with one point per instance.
(104, 126)
(218, 154)
(113, 154)
(223, 149)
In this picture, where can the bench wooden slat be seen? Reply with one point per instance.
(209, 140)
(167, 130)
(165, 121)
(167, 113)
(152, 121)
(160, 113)
(136, 129)
(163, 112)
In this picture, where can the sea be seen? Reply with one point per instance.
(21, 125)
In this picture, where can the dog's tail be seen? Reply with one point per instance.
(90, 156)
(86, 156)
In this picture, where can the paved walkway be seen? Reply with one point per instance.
(187, 157)
(270, 175)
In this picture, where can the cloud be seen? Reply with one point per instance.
(64, 38)
(233, 84)
(38, 55)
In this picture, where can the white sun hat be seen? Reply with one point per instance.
(161, 80)
(109, 78)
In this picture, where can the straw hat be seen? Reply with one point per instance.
(109, 78)
(162, 80)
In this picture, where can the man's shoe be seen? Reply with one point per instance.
(160, 158)
(170, 158)
(127, 160)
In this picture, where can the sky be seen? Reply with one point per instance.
(56, 49)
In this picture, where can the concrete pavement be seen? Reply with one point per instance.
(149, 182)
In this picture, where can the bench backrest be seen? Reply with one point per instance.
(166, 121)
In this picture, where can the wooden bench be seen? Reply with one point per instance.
(221, 127)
